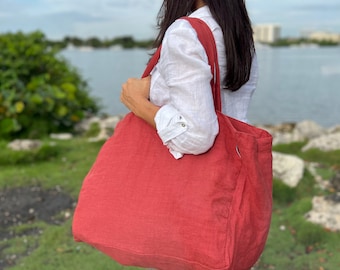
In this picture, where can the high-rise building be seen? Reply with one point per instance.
(266, 33)
(325, 36)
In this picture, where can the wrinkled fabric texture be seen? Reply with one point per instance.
(142, 207)
(187, 122)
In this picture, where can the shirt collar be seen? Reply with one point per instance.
(202, 11)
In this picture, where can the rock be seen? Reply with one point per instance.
(24, 145)
(102, 136)
(107, 122)
(288, 168)
(328, 142)
(289, 133)
(325, 212)
(322, 183)
(85, 125)
(106, 126)
(335, 182)
(287, 137)
(111, 122)
(61, 136)
(335, 129)
(280, 128)
(283, 133)
(308, 129)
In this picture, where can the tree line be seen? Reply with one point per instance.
(126, 42)
(301, 41)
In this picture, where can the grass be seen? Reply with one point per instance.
(293, 243)
(67, 168)
(54, 248)
(46, 152)
(57, 250)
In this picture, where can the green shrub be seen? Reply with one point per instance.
(40, 92)
(307, 233)
(283, 193)
(44, 153)
(291, 148)
(310, 234)
(93, 130)
(328, 158)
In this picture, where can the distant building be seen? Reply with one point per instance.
(325, 36)
(266, 33)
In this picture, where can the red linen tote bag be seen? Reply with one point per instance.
(142, 207)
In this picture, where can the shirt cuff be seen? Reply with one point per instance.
(170, 124)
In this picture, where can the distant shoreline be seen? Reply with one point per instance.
(130, 43)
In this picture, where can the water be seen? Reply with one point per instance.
(106, 71)
(296, 83)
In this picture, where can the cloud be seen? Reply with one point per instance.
(325, 6)
(103, 18)
(101, 7)
(294, 16)
(109, 18)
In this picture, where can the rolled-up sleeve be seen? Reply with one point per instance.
(187, 122)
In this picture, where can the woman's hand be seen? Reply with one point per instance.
(135, 96)
(134, 91)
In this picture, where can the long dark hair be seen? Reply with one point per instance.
(232, 16)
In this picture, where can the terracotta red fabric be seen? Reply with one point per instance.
(142, 207)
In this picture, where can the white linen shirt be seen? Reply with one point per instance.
(180, 84)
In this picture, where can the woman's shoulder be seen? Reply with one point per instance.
(181, 40)
(180, 33)
(180, 26)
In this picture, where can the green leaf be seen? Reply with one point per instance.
(58, 94)
(62, 111)
(36, 99)
(8, 125)
(50, 104)
(19, 106)
(70, 89)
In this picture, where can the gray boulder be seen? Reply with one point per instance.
(288, 168)
(308, 129)
(61, 136)
(326, 212)
(24, 145)
(328, 142)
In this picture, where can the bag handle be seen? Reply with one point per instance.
(207, 40)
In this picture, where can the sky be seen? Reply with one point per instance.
(137, 18)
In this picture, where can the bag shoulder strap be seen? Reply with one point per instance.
(207, 40)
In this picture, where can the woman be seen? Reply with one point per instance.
(199, 212)
(176, 99)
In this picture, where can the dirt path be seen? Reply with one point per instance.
(26, 205)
